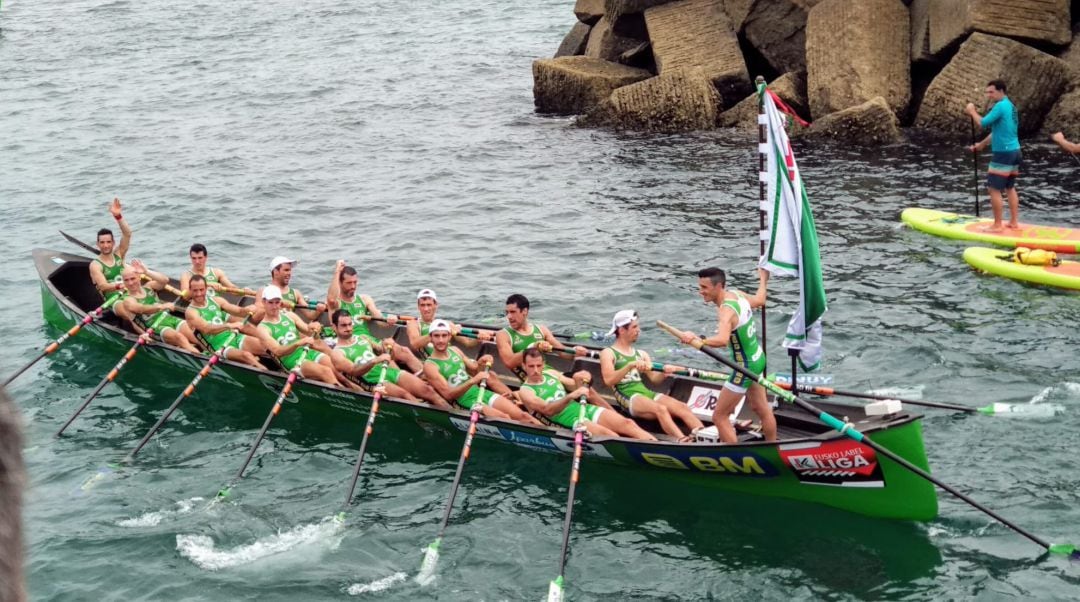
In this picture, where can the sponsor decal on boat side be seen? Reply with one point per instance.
(529, 440)
(810, 379)
(733, 463)
(842, 463)
(702, 402)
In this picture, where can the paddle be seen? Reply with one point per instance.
(80, 243)
(143, 338)
(214, 359)
(294, 374)
(241, 292)
(367, 434)
(990, 410)
(848, 430)
(975, 160)
(90, 317)
(431, 553)
(555, 588)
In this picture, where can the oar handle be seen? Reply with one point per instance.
(847, 429)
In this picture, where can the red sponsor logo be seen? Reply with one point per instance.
(833, 463)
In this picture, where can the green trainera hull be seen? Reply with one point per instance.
(817, 466)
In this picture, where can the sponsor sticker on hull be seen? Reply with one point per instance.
(843, 463)
(724, 462)
(529, 440)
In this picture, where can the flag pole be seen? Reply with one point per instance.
(763, 172)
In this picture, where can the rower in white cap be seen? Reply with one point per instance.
(456, 378)
(281, 268)
(427, 303)
(293, 341)
(622, 367)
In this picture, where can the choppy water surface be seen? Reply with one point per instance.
(401, 137)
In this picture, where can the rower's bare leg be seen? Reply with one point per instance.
(244, 357)
(400, 392)
(597, 400)
(681, 411)
(1014, 208)
(176, 339)
(623, 426)
(651, 410)
(759, 403)
(597, 430)
(421, 389)
(996, 208)
(515, 413)
(189, 334)
(489, 412)
(319, 371)
(725, 405)
(403, 356)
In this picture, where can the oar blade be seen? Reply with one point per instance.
(1022, 410)
(555, 590)
(1065, 549)
(431, 561)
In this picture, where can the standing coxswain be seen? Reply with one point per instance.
(107, 268)
(735, 329)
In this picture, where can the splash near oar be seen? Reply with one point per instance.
(555, 587)
(431, 552)
(74, 330)
(214, 359)
(848, 430)
(143, 338)
(968, 227)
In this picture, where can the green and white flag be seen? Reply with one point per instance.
(791, 238)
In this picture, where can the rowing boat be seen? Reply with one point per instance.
(810, 463)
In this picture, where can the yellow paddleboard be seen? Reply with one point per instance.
(969, 227)
(1000, 263)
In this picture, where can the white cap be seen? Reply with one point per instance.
(427, 292)
(271, 292)
(279, 260)
(622, 318)
(438, 326)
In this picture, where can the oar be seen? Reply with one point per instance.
(431, 553)
(294, 374)
(71, 239)
(555, 588)
(143, 338)
(241, 292)
(990, 410)
(53, 346)
(847, 429)
(214, 359)
(367, 434)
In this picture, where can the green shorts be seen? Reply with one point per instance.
(371, 378)
(625, 394)
(163, 321)
(568, 417)
(226, 340)
(300, 356)
(474, 395)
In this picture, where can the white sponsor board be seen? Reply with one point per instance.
(702, 402)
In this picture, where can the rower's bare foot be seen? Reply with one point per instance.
(686, 439)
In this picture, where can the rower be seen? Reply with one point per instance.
(215, 278)
(448, 371)
(143, 301)
(419, 330)
(281, 269)
(292, 340)
(107, 268)
(544, 392)
(521, 334)
(342, 295)
(622, 367)
(210, 316)
(735, 318)
(361, 356)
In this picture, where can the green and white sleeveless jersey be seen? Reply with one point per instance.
(452, 368)
(359, 350)
(213, 314)
(631, 384)
(552, 390)
(211, 279)
(114, 272)
(357, 309)
(289, 295)
(161, 320)
(285, 332)
(520, 342)
(745, 349)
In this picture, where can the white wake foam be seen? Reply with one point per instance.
(200, 549)
(912, 392)
(151, 519)
(376, 586)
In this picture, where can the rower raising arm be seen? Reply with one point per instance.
(342, 294)
(106, 269)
